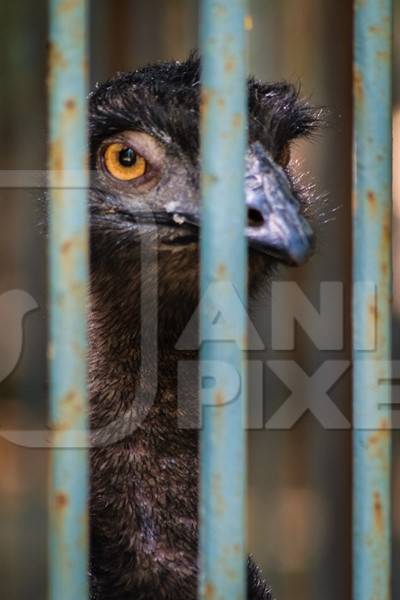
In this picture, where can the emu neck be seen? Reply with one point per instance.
(145, 466)
(133, 331)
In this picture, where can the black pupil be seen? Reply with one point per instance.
(127, 157)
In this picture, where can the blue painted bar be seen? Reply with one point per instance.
(372, 307)
(68, 273)
(223, 265)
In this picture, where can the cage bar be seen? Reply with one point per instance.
(223, 280)
(372, 298)
(68, 273)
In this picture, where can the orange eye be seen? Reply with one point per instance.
(123, 163)
(284, 157)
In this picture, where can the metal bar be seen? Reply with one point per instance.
(223, 278)
(372, 305)
(68, 272)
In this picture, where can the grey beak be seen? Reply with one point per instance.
(275, 223)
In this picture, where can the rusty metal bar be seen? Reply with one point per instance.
(372, 298)
(68, 273)
(223, 289)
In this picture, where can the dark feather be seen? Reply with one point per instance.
(144, 483)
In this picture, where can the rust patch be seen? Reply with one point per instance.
(72, 409)
(248, 23)
(354, 202)
(59, 426)
(205, 100)
(378, 512)
(209, 591)
(237, 120)
(69, 251)
(70, 104)
(377, 444)
(373, 311)
(220, 102)
(67, 5)
(230, 64)
(385, 249)
(86, 66)
(219, 398)
(56, 57)
(372, 202)
(221, 271)
(72, 398)
(383, 56)
(386, 234)
(209, 179)
(374, 29)
(61, 500)
(66, 247)
(358, 86)
(380, 435)
(56, 156)
(384, 424)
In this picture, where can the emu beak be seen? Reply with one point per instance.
(275, 223)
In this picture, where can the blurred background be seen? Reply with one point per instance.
(299, 480)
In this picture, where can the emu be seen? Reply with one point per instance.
(144, 211)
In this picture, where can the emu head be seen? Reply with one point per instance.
(144, 130)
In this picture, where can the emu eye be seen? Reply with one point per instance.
(123, 162)
(284, 157)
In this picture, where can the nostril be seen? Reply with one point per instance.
(254, 218)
